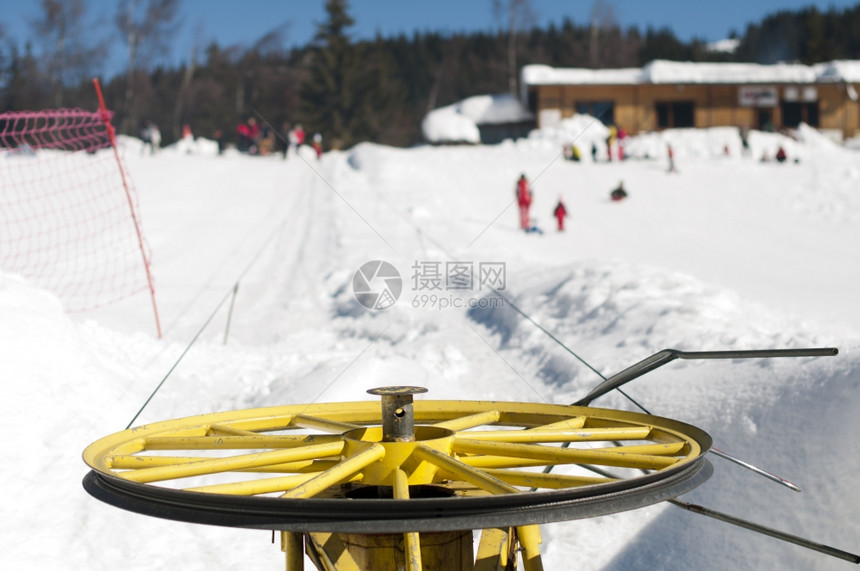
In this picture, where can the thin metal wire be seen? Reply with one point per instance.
(206, 323)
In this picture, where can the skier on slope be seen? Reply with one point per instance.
(560, 212)
(524, 200)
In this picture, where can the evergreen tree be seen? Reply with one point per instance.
(330, 96)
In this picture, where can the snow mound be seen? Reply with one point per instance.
(458, 123)
(581, 130)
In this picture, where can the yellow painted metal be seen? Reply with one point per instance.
(137, 462)
(601, 457)
(471, 420)
(493, 549)
(293, 546)
(325, 424)
(538, 435)
(225, 429)
(541, 480)
(440, 551)
(530, 540)
(241, 462)
(216, 442)
(275, 443)
(255, 487)
(399, 455)
(412, 544)
(459, 470)
(339, 473)
(477, 447)
(488, 462)
(329, 550)
(571, 423)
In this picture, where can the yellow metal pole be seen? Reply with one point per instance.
(493, 549)
(413, 545)
(530, 540)
(292, 544)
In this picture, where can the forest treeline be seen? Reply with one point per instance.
(350, 91)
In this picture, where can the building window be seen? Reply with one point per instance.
(795, 112)
(602, 110)
(675, 114)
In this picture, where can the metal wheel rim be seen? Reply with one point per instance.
(309, 514)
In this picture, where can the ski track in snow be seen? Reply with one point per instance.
(728, 253)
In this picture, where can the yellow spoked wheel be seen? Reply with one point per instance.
(403, 466)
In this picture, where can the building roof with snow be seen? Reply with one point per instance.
(678, 94)
(686, 72)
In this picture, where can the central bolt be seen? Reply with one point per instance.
(398, 417)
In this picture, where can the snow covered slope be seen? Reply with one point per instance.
(727, 253)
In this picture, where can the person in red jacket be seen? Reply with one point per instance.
(560, 212)
(524, 201)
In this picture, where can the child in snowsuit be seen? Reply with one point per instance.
(524, 200)
(560, 212)
(619, 193)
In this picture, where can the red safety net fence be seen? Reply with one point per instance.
(69, 215)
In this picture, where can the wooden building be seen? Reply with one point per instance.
(668, 94)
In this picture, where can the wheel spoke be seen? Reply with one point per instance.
(221, 429)
(236, 442)
(486, 462)
(131, 462)
(571, 423)
(339, 473)
(544, 435)
(541, 480)
(333, 426)
(458, 469)
(470, 421)
(603, 456)
(241, 462)
(255, 487)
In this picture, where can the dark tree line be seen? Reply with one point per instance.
(350, 91)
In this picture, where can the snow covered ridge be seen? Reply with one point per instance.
(664, 71)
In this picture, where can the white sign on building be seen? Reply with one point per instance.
(757, 96)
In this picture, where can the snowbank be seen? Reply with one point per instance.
(458, 123)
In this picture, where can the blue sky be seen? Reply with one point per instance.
(241, 22)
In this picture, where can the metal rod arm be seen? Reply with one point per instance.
(668, 355)
(781, 535)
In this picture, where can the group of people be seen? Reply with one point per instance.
(262, 141)
(524, 197)
(615, 146)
